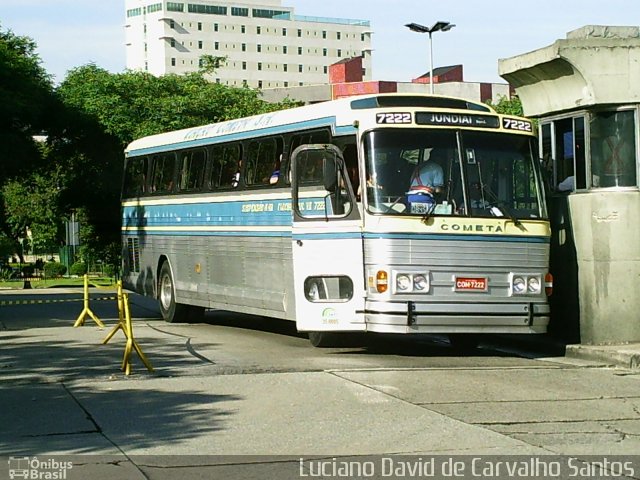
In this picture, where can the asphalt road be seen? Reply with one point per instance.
(242, 385)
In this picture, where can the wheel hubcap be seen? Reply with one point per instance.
(166, 292)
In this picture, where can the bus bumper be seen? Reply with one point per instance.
(415, 317)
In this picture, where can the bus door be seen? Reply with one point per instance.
(327, 244)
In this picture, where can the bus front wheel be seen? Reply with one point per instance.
(321, 339)
(171, 311)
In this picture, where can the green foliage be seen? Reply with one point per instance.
(109, 270)
(27, 100)
(508, 106)
(28, 270)
(7, 272)
(32, 203)
(78, 268)
(54, 269)
(210, 63)
(8, 246)
(131, 105)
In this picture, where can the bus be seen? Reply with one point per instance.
(309, 214)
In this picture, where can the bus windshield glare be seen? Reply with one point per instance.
(438, 172)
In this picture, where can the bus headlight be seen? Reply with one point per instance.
(526, 284)
(420, 283)
(533, 285)
(518, 285)
(411, 282)
(403, 283)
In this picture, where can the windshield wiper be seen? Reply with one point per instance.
(504, 209)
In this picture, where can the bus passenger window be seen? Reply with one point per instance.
(163, 171)
(192, 168)
(225, 166)
(135, 177)
(262, 160)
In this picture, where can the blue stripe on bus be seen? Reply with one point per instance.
(245, 213)
(196, 219)
(280, 129)
(327, 236)
(206, 233)
(336, 235)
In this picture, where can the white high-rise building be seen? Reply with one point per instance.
(265, 44)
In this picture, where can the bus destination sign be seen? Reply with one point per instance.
(457, 119)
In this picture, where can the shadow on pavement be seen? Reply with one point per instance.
(40, 417)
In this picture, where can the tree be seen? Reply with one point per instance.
(26, 101)
(105, 111)
(508, 106)
(32, 209)
(131, 105)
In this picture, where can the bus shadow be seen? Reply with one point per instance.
(414, 345)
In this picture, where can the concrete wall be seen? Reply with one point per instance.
(607, 235)
(473, 91)
(308, 94)
(594, 65)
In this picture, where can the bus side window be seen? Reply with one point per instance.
(225, 166)
(192, 166)
(135, 177)
(163, 171)
(263, 158)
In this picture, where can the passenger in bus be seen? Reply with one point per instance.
(235, 181)
(275, 175)
(567, 185)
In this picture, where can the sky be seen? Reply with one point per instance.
(71, 33)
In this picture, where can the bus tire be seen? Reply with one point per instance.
(321, 339)
(171, 311)
(464, 342)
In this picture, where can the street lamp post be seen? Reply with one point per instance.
(438, 26)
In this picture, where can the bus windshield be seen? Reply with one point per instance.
(447, 172)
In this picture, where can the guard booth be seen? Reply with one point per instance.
(585, 92)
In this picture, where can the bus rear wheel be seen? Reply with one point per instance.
(171, 311)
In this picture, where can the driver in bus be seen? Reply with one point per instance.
(428, 178)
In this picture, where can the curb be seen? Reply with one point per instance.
(624, 356)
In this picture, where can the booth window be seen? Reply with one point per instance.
(613, 149)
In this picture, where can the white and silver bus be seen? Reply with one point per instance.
(309, 214)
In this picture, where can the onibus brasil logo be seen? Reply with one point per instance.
(36, 469)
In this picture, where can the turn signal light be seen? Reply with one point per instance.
(548, 284)
(382, 281)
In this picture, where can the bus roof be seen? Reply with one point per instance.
(337, 114)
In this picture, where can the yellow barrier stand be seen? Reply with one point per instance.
(121, 320)
(86, 310)
(125, 324)
(131, 343)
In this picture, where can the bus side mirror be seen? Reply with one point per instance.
(330, 173)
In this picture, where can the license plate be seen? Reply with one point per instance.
(471, 284)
